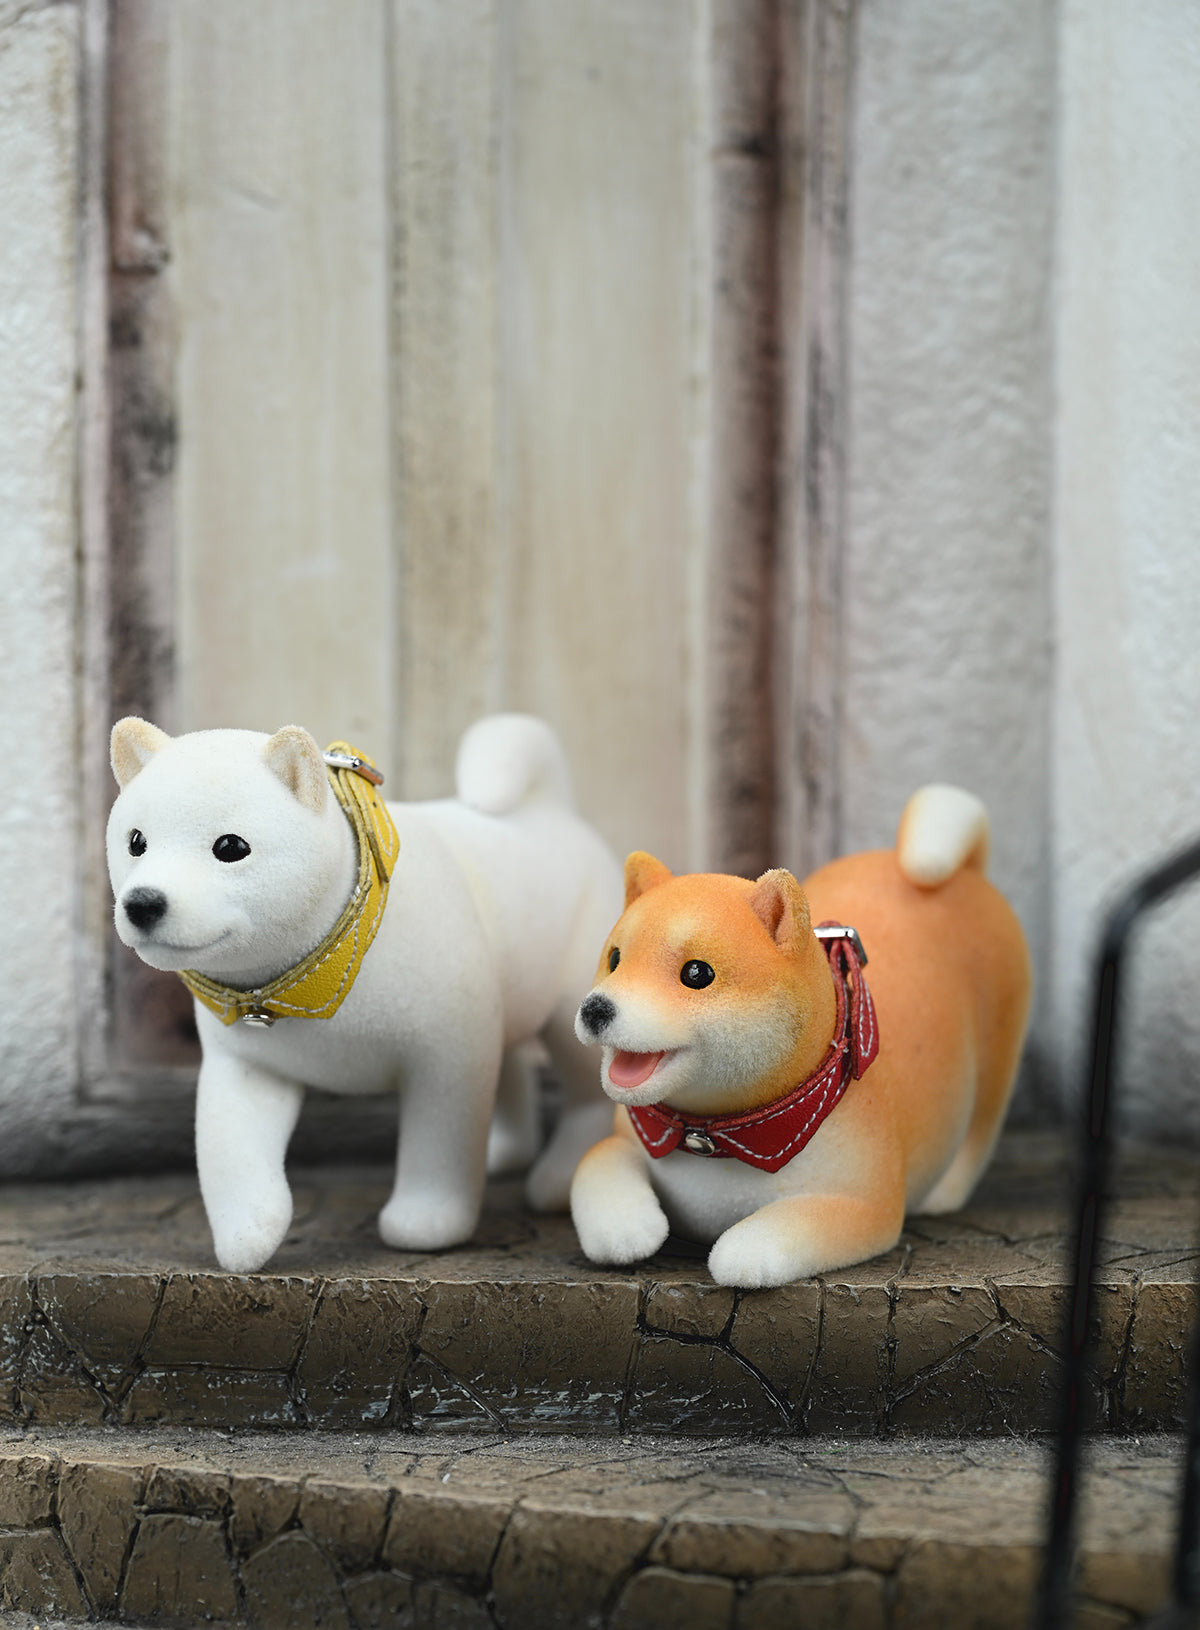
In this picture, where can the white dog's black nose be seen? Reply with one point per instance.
(596, 1012)
(145, 907)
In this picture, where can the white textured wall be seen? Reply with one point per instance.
(947, 574)
(1127, 741)
(38, 825)
(1049, 664)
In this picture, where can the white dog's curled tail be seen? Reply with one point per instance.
(509, 759)
(941, 830)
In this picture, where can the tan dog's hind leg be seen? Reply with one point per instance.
(953, 1189)
(805, 1235)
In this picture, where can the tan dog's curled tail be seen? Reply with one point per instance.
(941, 830)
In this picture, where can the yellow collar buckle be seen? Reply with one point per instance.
(318, 985)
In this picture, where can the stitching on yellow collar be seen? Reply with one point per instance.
(317, 986)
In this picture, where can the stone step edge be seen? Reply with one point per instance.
(174, 1527)
(871, 1355)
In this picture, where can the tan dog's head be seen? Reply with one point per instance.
(712, 994)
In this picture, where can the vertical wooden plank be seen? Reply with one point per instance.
(445, 155)
(816, 51)
(92, 606)
(141, 365)
(152, 1021)
(597, 374)
(279, 271)
(741, 454)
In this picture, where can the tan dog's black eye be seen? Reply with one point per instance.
(614, 956)
(695, 975)
(137, 843)
(230, 847)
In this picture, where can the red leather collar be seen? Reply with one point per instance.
(770, 1136)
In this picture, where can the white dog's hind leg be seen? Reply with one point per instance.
(516, 1131)
(245, 1116)
(445, 1106)
(586, 1118)
(613, 1206)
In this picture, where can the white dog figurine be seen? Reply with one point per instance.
(335, 941)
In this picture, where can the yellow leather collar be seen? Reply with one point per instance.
(317, 986)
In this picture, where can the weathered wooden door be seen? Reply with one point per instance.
(479, 354)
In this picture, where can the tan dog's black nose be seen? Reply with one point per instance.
(596, 1013)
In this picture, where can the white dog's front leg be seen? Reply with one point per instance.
(615, 1210)
(445, 1108)
(245, 1116)
(586, 1118)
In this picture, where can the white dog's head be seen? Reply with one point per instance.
(712, 993)
(225, 847)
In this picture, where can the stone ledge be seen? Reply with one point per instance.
(112, 1313)
(373, 1529)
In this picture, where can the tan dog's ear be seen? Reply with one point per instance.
(295, 758)
(643, 872)
(779, 904)
(132, 745)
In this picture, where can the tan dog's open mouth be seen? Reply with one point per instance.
(629, 1070)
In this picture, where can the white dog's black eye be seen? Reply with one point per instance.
(695, 975)
(137, 843)
(230, 847)
(614, 956)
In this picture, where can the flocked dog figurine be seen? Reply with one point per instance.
(773, 1100)
(335, 941)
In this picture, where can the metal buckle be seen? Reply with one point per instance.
(843, 932)
(699, 1143)
(259, 1017)
(351, 761)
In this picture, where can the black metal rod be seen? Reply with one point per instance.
(1186, 1576)
(1054, 1592)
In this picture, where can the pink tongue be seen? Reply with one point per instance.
(631, 1069)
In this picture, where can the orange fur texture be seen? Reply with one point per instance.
(949, 972)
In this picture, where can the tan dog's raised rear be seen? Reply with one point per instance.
(714, 997)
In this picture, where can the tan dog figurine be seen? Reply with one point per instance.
(770, 1101)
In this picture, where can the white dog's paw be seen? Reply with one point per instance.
(427, 1221)
(758, 1252)
(244, 1240)
(627, 1232)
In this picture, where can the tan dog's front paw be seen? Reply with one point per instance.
(755, 1253)
(630, 1234)
(615, 1211)
(798, 1237)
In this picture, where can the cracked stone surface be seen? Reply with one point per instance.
(112, 1313)
(549, 1532)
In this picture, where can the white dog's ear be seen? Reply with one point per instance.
(779, 904)
(295, 758)
(643, 872)
(132, 745)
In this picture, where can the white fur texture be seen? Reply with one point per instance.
(488, 939)
(942, 828)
